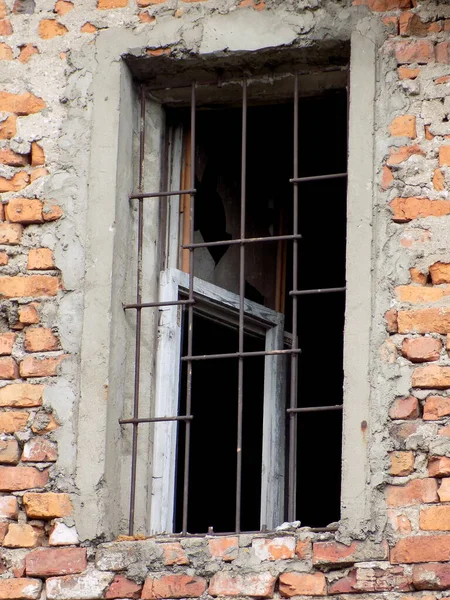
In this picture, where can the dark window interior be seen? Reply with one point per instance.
(322, 223)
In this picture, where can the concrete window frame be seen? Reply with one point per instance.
(101, 504)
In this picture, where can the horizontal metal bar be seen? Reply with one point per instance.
(317, 178)
(308, 409)
(317, 291)
(156, 419)
(270, 238)
(158, 304)
(228, 533)
(241, 354)
(139, 195)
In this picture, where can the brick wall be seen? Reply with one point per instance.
(40, 221)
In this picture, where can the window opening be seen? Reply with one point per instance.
(252, 179)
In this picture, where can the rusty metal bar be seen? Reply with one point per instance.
(187, 444)
(317, 178)
(156, 419)
(316, 291)
(309, 409)
(292, 468)
(241, 310)
(272, 238)
(158, 304)
(141, 196)
(137, 364)
(241, 354)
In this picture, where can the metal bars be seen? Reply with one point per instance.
(188, 306)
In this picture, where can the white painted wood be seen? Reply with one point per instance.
(224, 305)
(174, 202)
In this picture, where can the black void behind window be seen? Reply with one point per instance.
(268, 281)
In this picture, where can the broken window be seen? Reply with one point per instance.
(247, 403)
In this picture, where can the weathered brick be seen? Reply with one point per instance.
(372, 579)
(418, 276)
(21, 395)
(279, 548)
(432, 576)
(39, 450)
(225, 548)
(40, 367)
(108, 4)
(33, 285)
(173, 555)
(12, 421)
(173, 586)
(431, 377)
(44, 423)
(50, 562)
(20, 588)
(427, 320)
(440, 272)
(62, 535)
(89, 585)
(423, 349)
(8, 128)
(391, 320)
(307, 584)
(415, 294)
(6, 343)
(407, 209)
(40, 259)
(444, 490)
(121, 587)
(4, 258)
(37, 153)
(303, 549)
(414, 51)
(421, 548)
(442, 51)
(48, 505)
(50, 28)
(26, 52)
(24, 210)
(52, 212)
(439, 466)
(40, 339)
(335, 553)
(399, 155)
(402, 463)
(21, 535)
(439, 180)
(13, 159)
(403, 126)
(255, 585)
(408, 73)
(8, 368)
(436, 407)
(10, 234)
(9, 508)
(9, 452)
(435, 518)
(28, 314)
(21, 478)
(21, 104)
(414, 492)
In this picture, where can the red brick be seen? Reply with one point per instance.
(9, 452)
(404, 408)
(402, 463)
(13, 159)
(414, 294)
(24, 210)
(10, 234)
(403, 126)
(121, 587)
(440, 272)
(439, 466)
(50, 28)
(444, 490)
(225, 548)
(39, 450)
(426, 320)
(443, 52)
(62, 7)
(3, 259)
(21, 535)
(40, 339)
(279, 548)
(296, 584)
(406, 209)
(391, 320)
(408, 73)
(335, 553)
(21, 395)
(20, 589)
(439, 180)
(21, 478)
(33, 285)
(28, 314)
(41, 258)
(12, 421)
(173, 586)
(8, 128)
(399, 155)
(416, 491)
(47, 505)
(420, 51)
(421, 548)
(26, 52)
(372, 579)
(109, 4)
(8, 507)
(255, 585)
(6, 343)
(57, 561)
(384, 5)
(423, 349)
(40, 367)
(411, 25)
(8, 368)
(173, 555)
(303, 549)
(435, 518)
(20, 104)
(436, 407)
(431, 377)
(432, 576)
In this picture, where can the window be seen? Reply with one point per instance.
(250, 306)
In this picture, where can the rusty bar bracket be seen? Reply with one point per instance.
(156, 420)
(241, 354)
(309, 409)
(141, 196)
(317, 291)
(243, 241)
(158, 304)
(317, 178)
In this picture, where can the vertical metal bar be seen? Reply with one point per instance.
(190, 321)
(137, 362)
(241, 309)
(292, 475)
